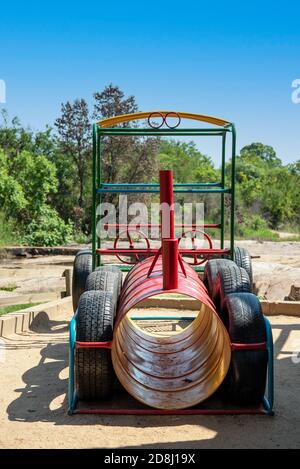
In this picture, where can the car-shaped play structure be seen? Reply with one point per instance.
(221, 361)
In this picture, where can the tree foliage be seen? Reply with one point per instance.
(45, 176)
(129, 159)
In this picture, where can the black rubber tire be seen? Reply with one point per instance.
(105, 281)
(246, 378)
(210, 272)
(82, 267)
(242, 258)
(94, 373)
(115, 269)
(230, 279)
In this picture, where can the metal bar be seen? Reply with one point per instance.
(232, 215)
(175, 184)
(153, 251)
(268, 401)
(169, 243)
(156, 191)
(106, 345)
(157, 225)
(222, 195)
(253, 346)
(94, 193)
(254, 411)
(71, 384)
(166, 202)
(151, 131)
(99, 198)
(165, 133)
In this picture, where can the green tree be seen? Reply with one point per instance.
(125, 159)
(187, 162)
(74, 130)
(258, 150)
(26, 184)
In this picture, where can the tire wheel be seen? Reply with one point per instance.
(211, 270)
(94, 373)
(105, 281)
(246, 378)
(115, 269)
(81, 270)
(242, 258)
(230, 279)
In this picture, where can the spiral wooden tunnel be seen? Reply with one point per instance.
(181, 370)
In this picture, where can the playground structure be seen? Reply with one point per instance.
(225, 350)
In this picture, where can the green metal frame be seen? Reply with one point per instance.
(100, 187)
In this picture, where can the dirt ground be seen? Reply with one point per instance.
(277, 268)
(33, 406)
(34, 378)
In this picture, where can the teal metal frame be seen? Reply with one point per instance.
(268, 400)
(99, 187)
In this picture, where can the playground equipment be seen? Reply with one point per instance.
(226, 350)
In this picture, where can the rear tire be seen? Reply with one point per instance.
(82, 269)
(230, 279)
(211, 270)
(242, 258)
(246, 379)
(105, 281)
(116, 270)
(94, 373)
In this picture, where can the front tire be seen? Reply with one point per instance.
(94, 373)
(246, 379)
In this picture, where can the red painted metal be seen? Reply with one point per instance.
(169, 243)
(131, 244)
(206, 236)
(166, 204)
(254, 411)
(170, 263)
(153, 251)
(257, 346)
(79, 344)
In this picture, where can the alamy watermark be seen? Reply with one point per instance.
(296, 93)
(116, 220)
(2, 91)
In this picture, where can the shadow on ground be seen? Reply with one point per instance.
(43, 399)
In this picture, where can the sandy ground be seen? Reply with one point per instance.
(277, 268)
(34, 372)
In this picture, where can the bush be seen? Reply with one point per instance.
(8, 231)
(48, 229)
(255, 227)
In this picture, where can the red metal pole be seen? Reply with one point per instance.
(169, 242)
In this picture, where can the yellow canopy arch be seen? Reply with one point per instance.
(111, 121)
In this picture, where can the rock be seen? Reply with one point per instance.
(294, 294)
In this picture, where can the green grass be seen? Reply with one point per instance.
(81, 238)
(9, 288)
(261, 234)
(13, 308)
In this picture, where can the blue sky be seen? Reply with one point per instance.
(235, 60)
